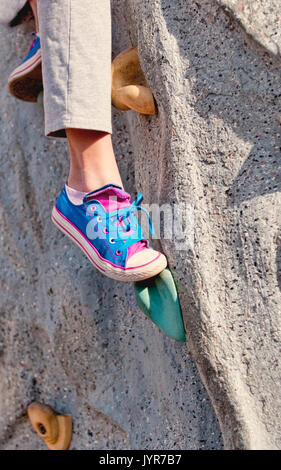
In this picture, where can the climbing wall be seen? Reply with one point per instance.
(214, 68)
(77, 341)
(71, 338)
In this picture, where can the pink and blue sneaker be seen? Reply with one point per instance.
(25, 82)
(106, 228)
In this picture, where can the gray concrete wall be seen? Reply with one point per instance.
(216, 145)
(70, 337)
(77, 341)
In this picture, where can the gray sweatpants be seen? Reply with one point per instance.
(76, 57)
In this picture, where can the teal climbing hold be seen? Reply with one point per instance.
(157, 297)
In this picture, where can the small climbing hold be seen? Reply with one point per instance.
(157, 297)
(130, 89)
(54, 429)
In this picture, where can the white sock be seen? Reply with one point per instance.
(76, 197)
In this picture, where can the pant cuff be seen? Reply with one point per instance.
(57, 127)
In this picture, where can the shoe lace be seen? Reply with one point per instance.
(136, 205)
(124, 219)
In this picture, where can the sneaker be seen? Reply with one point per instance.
(105, 227)
(25, 82)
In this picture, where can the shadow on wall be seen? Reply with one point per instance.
(237, 81)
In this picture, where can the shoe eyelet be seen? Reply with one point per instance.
(93, 208)
(105, 230)
(111, 241)
(118, 252)
(98, 218)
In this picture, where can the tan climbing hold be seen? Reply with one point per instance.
(54, 429)
(129, 86)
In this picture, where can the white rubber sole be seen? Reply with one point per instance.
(25, 83)
(133, 274)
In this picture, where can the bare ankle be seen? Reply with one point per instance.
(92, 160)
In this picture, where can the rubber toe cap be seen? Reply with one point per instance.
(150, 261)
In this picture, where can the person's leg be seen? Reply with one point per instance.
(77, 86)
(93, 210)
(92, 160)
(76, 52)
(33, 4)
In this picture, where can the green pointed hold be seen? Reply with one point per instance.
(157, 297)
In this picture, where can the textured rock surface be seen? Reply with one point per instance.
(70, 337)
(260, 18)
(77, 341)
(216, 144)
